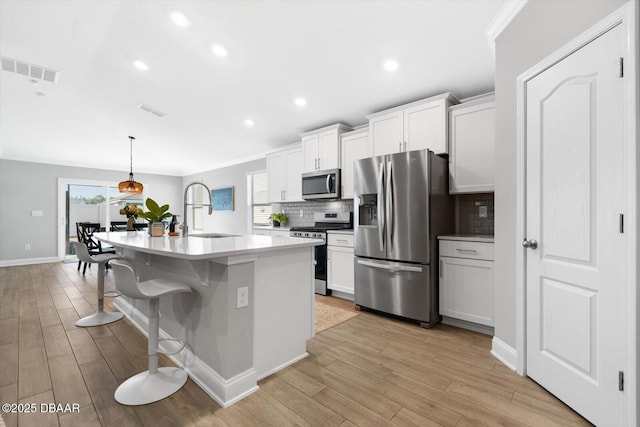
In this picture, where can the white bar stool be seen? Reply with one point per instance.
(101, 317)
(156, 383)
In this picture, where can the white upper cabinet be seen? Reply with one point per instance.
(321, 147)
(284, 169)
(472, 145)
(354, 146)
(416, 126)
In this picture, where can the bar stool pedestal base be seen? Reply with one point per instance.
(99, 318)
(145, 388)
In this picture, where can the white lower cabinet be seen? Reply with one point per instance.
(466, 284)
(340, 268)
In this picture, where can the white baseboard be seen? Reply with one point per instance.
(504, 353)
(284, 365)
(224, 391)
(27, 261)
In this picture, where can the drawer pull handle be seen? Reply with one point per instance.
(470, 251)
(341, 240)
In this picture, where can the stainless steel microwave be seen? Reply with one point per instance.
(323, 184)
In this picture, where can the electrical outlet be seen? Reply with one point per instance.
(243, 297)
(27, 247)
(301, 213)
(482, 212)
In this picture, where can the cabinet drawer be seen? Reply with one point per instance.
(339, 239)
(462, 249)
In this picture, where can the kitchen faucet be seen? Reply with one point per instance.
(185, 228)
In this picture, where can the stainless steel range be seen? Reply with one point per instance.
(324, 221)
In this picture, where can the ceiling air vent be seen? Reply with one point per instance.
(29, 70)
(151, 110)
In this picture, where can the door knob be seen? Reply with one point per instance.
(531, 244)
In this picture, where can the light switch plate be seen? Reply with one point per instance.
(36, 213)
(482, 211)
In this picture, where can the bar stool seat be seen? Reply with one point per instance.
(101, 317)
(155, 383)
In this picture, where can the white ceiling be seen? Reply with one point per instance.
(328, 52)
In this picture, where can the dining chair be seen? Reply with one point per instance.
(94, 246)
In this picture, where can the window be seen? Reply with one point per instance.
(260, 206)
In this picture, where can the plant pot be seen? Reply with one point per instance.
(156, 229)
(276, 223)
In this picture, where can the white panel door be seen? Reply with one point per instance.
(576, 279)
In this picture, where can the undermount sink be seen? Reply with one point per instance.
(213, 235)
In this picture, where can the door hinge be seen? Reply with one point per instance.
(621, 224)
(620, 381)
(621, 72)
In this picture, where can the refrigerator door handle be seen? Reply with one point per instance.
(390, 267)
(381, 206)
(390, 205)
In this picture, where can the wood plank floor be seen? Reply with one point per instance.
(367, 371)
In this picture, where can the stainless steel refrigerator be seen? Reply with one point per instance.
(401, 204)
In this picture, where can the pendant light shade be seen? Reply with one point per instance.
(130, 186)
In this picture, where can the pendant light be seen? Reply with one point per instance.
(130, 186)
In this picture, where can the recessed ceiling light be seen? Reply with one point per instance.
(219, 50)
(140, 65)
(391, 65)
(249, 123)
(179, 19)
(300, 102)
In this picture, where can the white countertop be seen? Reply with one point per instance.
(486, 238)
(194, 248)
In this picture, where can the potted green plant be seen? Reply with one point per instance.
(278, 218)
(155, 215)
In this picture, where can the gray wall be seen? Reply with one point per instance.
(541, 28)
(26, 186)
(234, 222)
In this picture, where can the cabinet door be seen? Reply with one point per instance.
(328, 150)
(472, 134)
(386, 133)
(340, 269)
(466, 289)
(275, 177)
(353, 148)
(310, 153)
(293, 176)
(425, 126)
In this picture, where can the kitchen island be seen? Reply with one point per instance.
(229, 345)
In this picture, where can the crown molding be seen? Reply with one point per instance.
(509, 11)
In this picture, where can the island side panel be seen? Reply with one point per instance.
(207, 319)
(284, 313)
